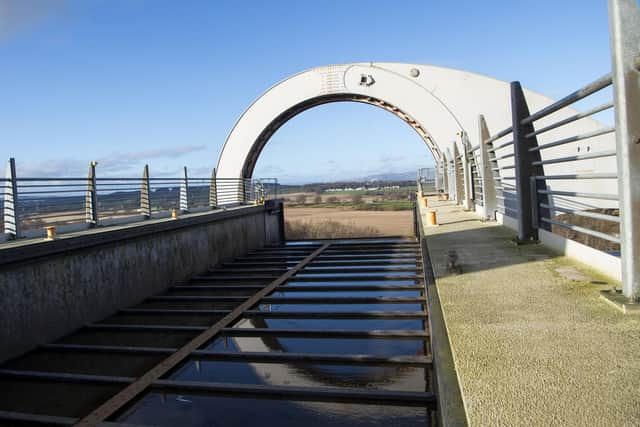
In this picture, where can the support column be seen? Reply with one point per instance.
(624, 23)
(445, 175)
(11, 217)
(457, 166)
(486, 174)
(467, 201)
(213, 190)
(451, 175)
(525, 193)
(145, 201)
(91, 198)
(184, 192)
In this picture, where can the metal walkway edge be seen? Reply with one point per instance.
(373, 299)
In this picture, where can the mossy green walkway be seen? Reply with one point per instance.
(533, 343)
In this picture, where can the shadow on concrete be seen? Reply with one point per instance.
(478, 249)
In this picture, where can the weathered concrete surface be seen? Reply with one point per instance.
(531, 346)
(88, 276)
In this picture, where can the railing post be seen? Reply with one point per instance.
(91, 198)
(445, 174)
(11, 217)
(184, 192)
(213, 191)
(458, 188)
(489, 201)
(624, 27)
(145, 200)
(467, 202)
(242, 191)
(523, 165)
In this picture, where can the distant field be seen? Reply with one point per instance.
(370, 223)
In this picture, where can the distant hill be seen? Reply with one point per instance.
(398, 176)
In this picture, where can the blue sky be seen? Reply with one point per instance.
(149, 81)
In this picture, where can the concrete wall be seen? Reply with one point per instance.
(50, 288)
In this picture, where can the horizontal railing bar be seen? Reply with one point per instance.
(499, 135)
(68, 212)
(579, 176)
(506, 156)
(600, 196)
(80, 192)
(573, 118)
(582, 230)
(503, 145)
(575, 138)
(581, 93)
(578, 157)
(82, 185)
(586, 214)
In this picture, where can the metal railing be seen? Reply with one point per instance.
(427, 181)
(584, 185)
(29, 204)
(530, 188)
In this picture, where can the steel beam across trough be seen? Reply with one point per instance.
(330, 323)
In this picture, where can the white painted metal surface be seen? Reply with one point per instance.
(439, 103)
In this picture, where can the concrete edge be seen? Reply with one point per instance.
(19, 252)
(608, 265)
(620, 302)
(604, 263)
(452, 410)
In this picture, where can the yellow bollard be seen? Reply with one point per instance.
(174, 213)
(51, 232)
(431, 218)
(424, 202)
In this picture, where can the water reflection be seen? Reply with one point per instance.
(175, 410)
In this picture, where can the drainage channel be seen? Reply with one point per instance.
(315, 333)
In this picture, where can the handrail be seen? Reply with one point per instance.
(573, 97)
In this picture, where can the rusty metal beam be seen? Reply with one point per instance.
(132, 390)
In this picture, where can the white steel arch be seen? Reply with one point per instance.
(439, 103)
(442, 104)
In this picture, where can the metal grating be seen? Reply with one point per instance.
(334, 331)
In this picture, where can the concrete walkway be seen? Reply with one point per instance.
(532, 342)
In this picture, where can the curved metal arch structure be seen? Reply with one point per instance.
(441, 104)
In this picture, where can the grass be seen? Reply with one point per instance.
(387, 205)
(327, 230)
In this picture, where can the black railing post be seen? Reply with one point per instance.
(525, 170)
